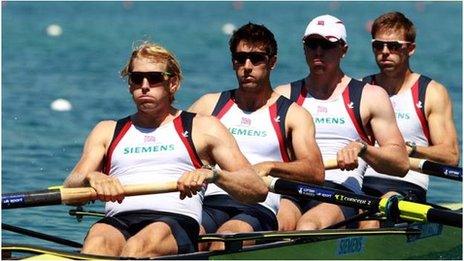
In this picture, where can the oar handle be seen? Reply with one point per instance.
(330, 164)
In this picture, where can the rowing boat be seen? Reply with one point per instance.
(403, 241)
(413, 231)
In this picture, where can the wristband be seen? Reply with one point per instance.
(363, 148)
(412, 145)
(214, 171)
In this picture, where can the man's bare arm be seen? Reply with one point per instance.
(307, 165)
(205, 105)
(390, 157)
(439, 112)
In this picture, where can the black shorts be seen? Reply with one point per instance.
(306, 204)
(184, 228)
(375, 186)
(218, 209)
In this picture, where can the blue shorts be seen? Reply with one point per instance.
(218, 209)
(184, 229)
(306, 204)
(375, 186)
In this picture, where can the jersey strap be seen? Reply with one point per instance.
(418, 95)
(297, 92)
(278, 112)
(352, 100)
(183, 126)
(122, 126)
(225, 102)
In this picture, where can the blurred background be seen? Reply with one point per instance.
(61, 63)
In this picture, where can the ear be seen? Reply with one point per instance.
(411, 49)
(273, 62)
(344, 50)
(174, 84)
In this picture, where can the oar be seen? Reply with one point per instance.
(39, 235)
(58, 196)
(435, 169)
(407, 210)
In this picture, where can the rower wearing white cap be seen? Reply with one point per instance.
(349, 115)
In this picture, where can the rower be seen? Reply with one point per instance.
(422, 106)
(274, 133)
(348, 116)
(158, 143)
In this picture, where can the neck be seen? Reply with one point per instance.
(253, 100)
(323, 86)
(152, 119)
(394, 82)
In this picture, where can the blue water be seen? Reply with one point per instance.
(40, 146)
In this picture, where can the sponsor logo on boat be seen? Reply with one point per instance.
(148, 149)
(350, 245)
(247, 132)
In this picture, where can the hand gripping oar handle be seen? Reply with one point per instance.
(76, 195)
(435, 169)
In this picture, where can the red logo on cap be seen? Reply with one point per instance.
(321, 22)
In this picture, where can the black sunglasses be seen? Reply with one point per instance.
(393, 46)
(312, 44)
(255, 57)
(136, 78)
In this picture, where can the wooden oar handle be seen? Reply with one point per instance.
(416, 164)
(330, 164)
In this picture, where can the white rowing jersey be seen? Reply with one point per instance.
(259, 135)
(411, 127)
(335, 128)
(141, 156)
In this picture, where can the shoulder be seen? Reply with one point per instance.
(435, 88)
(207, 123)
(105, 126)
(372, 92)
(283, 90)
(205, 103)
(436, 95)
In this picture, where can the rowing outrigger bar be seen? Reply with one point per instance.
(77, 212)
(392, 211)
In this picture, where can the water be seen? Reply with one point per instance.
(41, 146)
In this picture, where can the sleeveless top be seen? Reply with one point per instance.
(337, 122)
(260, 135)
(410, 116)
(142, 155)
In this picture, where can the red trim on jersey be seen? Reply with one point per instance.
(302, 95)
(359, 129)
(180, 130)
(225, 109)
(420, 114)
(113, 145)
(275, 124)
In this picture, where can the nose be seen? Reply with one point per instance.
(248, 64)
(145, 85)
(385, 49)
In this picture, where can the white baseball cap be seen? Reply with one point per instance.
(327, 26)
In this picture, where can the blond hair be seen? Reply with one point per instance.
(156, 53)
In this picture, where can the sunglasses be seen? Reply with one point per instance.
(393, 46)
(324, 44)
(255, 57)
(136, 78)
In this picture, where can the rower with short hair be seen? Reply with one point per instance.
(349, 115)
(274, 133)
(423, 109)
(158, 143)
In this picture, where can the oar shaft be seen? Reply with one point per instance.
(31, 199)
(324, 194)
(435, 169)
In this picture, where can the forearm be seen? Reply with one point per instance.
(76, 179)
(300, 170)
(443, 153)
(388, 159)
(243, 185)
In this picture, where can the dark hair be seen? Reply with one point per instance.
(254, 34)
(394, 21)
